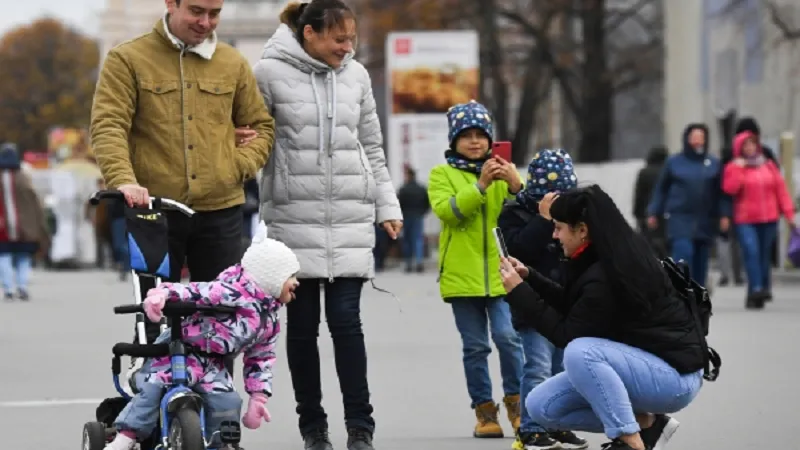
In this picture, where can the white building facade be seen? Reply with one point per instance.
(245, 24)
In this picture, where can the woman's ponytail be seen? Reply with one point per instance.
(291, 14)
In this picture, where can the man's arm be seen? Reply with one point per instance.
(249, 110)
(112, 117)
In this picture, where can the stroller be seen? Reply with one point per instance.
(181, 424)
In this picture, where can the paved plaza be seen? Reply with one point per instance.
(56, 352)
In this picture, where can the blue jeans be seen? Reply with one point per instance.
(605, 384)
(119, 242)
(414, 240)
(15, 263)
(756, 241)
(696, 254)
(141, 415)
(475, 317)
(542, 361)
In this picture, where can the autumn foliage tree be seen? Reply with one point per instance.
(47, 78)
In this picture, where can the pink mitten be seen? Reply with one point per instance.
(256, 410)
(154, 303)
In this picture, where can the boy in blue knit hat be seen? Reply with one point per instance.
(467, 195)
(529, 238)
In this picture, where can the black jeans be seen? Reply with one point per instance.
(343, 314)
(209, 242)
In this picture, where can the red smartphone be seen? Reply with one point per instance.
(502, 149)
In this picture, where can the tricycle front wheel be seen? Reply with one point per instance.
(94, 436)
(185, 432)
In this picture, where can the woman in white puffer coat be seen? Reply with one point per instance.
(323, 189)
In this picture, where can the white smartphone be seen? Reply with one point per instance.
(500, 242)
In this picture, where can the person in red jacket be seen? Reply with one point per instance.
(759, 197)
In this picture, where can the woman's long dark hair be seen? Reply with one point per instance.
(627, 259)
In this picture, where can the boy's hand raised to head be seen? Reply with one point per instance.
(545, 204)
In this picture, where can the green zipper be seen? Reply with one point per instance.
(485, 250)
(444, 255)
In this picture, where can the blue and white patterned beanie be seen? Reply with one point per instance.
(549, 171)
(468, 115)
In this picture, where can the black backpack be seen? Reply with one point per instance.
(699, 303)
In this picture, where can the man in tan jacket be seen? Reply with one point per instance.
(163, 123)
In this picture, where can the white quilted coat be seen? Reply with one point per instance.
(326, 183)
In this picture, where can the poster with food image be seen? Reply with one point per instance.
(428, 72)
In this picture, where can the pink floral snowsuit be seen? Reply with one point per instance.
(251, 331)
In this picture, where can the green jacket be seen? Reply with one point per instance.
(469, 262)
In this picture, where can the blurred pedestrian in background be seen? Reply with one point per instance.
(729, 256)
(23, 226)
(415, 205)
(529, 238)
(688, 196)
(467, 195)
(751, 124)
(249, 209)
(760, 197)
(646, 181)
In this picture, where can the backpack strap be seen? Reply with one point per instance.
(710, 356)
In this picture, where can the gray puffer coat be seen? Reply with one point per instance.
(326, 183)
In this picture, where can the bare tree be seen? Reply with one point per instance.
(788, 29)
(595, 50)
(596, 58)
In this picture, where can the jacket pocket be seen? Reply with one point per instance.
(368, 178)
(216, 101)
(161, 100)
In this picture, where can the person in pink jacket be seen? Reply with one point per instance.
(257, 287)
(760, 197)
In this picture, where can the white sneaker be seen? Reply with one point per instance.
(121, 442)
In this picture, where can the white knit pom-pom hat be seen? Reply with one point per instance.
(269, 262)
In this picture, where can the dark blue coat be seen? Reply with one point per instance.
(529, 238)
(688, 195)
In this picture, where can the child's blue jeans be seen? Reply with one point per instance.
(475, 319)
(603, 386)
(141, 415)
(542, 361)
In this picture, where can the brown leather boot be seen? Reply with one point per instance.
(512, 408)
(488, 425)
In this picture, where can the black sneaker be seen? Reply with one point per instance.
(617, 444)
(755, 300)
(657, 435)
(23, 295)
(568, 440)
(9, 297)
(317, 440)
(724, 281)
(538, 441)
(359, 439)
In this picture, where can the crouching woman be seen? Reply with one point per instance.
(631, 350)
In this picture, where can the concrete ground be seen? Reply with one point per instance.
(55, 354)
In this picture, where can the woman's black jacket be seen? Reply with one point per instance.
(587, 307)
